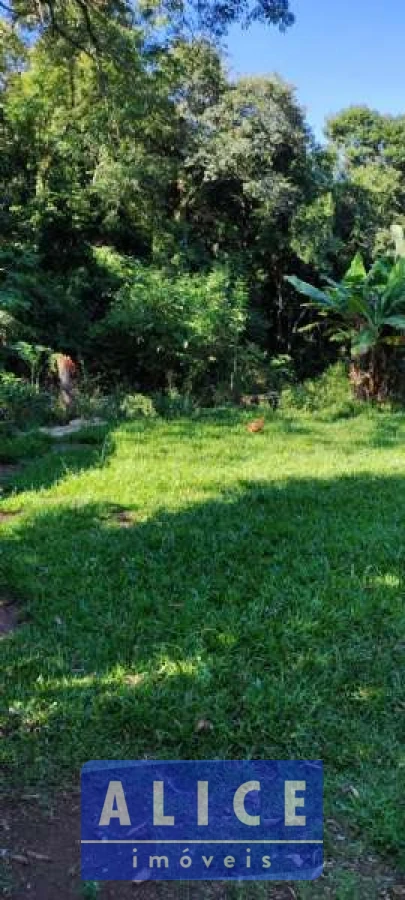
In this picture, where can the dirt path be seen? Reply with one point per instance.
(40, 860)
(43, 861)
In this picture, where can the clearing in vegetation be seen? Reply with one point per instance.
(257, 586)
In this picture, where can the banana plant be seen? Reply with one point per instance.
(365, 310)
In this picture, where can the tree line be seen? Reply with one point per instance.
(151, 207)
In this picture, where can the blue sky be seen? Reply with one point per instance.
(339, 52)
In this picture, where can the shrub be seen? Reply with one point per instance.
(24, 446)
(136, 406)
(329, 396)
(256, 373)
(168, 331)
(172, 404)
(21, 403)
(96, 405)
(281, 372)
(92, 435)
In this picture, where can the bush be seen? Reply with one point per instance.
(25, 446)
(172, 404)
(281, 372)
(329, 396)
(252, 373)
(88, 405)
(21, 404)
(166, 331)
(137, 406)
(259, 374)
(92, 435)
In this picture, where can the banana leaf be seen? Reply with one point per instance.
(318, 297)
(395, 322)
(307, 328)
(363, 341)
(356, 271)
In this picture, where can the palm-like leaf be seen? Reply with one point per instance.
(356, 272)
(318, 298)
(397, 322)
(363, 341)
(365, 306)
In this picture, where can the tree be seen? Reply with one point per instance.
(369, 183)
(174, 331)
(363, 136)
(245, 173)
(94, 165)
(245, 165)
(82, 22)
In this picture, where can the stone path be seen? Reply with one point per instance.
(61, 431)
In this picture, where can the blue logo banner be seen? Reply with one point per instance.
(202, 820)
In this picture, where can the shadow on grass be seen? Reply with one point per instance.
(48, 463)
(275, 613)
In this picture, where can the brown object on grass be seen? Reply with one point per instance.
(256, 426)
(8, 516)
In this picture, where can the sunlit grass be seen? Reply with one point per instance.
(260, 588)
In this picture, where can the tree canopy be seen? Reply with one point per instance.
(127, 152)
(82, 22)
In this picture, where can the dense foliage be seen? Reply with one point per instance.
(365, 312)
(150, 207)
(83, 22)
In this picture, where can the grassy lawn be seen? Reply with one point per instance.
(188, 570)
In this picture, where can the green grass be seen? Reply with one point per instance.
(23, 446)
(260, 587)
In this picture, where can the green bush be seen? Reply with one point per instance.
(49, 308)
(258, 373)
(92, 435)
(22, 404)
(96, 405)
(329, 396)
(172, 404)
(252, 372)
(166, 331)
(137, 406)
(281, 372)
(26, 446)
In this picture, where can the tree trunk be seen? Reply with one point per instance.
(66, 370)
(369, 379)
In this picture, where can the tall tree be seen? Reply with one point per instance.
(369, 150)
(246, 171)
(82, 20)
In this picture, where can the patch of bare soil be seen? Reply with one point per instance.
(9, 515)
(40, 858)
(126, 518)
